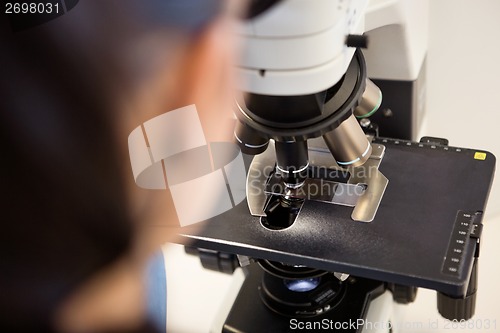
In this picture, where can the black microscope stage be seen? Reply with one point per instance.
(424, 233)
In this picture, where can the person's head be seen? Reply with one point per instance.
(71, 90)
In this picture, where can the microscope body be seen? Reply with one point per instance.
(304, 77)
(340, 255)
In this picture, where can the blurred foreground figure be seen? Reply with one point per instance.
(76, 231)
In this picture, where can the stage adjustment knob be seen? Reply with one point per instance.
(403, 294)
(460, 308)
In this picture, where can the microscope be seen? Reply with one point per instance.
(339, 221)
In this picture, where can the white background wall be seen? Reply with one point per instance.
(463, 83)
(463, 87)
(463, 99)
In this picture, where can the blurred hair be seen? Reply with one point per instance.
(64, 209)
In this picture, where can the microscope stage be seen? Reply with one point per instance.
(424, 233)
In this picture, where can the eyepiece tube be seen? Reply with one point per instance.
(348, 144)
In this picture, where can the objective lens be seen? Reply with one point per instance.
(302, 285)
(370, 101)
(348, 144)
(292, 162)
(249, 140)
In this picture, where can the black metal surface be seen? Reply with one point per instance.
(458, 241)
(250, 315)
(405, 244)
